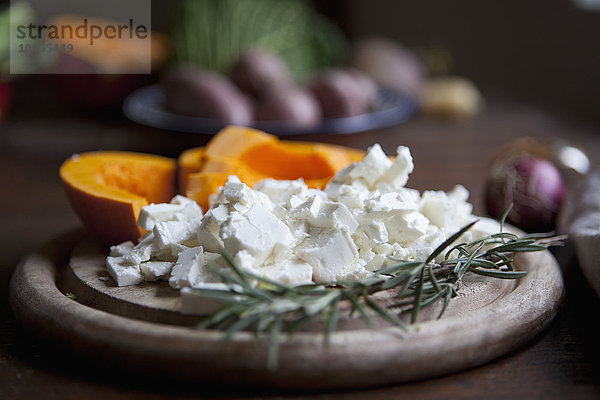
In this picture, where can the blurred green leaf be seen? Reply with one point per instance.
(212, 33)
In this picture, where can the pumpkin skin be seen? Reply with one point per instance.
(108, 189)
(253, 155)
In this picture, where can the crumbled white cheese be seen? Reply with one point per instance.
(330, 252)
(123, 273)
(372, 167)
(325, 214)
(185, 270)
(449, 211)
(169, 233)
(257, 232)
(179, 209)
(282, 192)
(155, 270)
(396, 175)
(408, 227)
(285, 232)
(288, 272)
(142, 251)
(121, 249)
(192, 268)
(376, 231)
(390, 204)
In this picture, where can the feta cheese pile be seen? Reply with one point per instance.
(286, 232)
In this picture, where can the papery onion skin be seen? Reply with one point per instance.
(535, 188)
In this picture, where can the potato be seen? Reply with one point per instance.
(258, 71)
(293, 104)
(343, 92)
(190, 90)
(450, 97)
(367, 85)
(389, 63)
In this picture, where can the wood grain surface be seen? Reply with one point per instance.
(476, 329)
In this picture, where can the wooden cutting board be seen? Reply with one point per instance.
(141, 327)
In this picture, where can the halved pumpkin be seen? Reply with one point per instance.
(108, 189)
(253, 155)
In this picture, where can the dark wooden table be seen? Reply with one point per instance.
(563, 362)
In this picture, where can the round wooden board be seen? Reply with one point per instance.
(140, 327)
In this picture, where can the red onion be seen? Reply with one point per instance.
(533, 185)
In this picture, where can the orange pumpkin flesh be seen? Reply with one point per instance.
(281, 161)
(108, 189)
(232, 141)
(189, 162)
(202, 185)
(254, 155)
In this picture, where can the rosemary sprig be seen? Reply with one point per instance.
(267, 307)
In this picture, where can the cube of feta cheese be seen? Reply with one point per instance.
(396, 175)
(295, 201)
(166, 254)
(142, 251)
(373, 165)
(122, 272)
(484, 227)
(153, 213)
(168, 233)
(407, 228)
(422, 253)
(430, 241)
(281, 191)
(191, 268)
(378, 261)
(389, 204)
(181, 273)
(334, 215)
(237, 192)
(352, 195)
(176, 249)
(121, 249)
(447, 211)
(331, 253)
(355, 274)
(189, 212)
(219, 196)
(245, 260)
(376, 231)
(325, 214)
(218, 213)
(208, 233)
(288, 272)
(155, 270)
(400, 252)
(204, 273)
(182, 200)
(343, 175)
(258, 231)
(180, 209)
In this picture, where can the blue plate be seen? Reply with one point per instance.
(146, 106)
